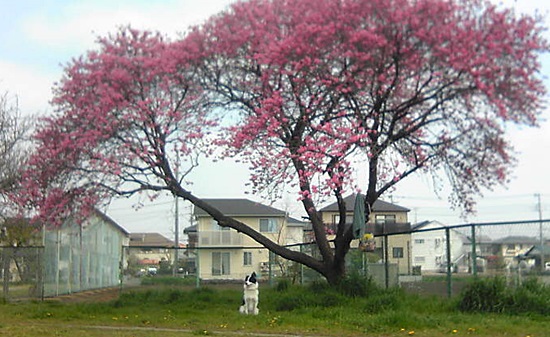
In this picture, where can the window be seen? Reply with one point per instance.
(247, 258)
(437, 243)
(336, 219)
(220, 263)
(268, 225)
(385, 218)
(419, 259)
(419, 241)
(397, 252)
(217, 227)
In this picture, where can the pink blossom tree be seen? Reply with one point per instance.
(323, 87)
(127, 118)
(312, 91)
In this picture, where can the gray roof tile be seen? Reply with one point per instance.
(239, 207)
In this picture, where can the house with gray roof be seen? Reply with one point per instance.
(511, 247)
(225, 254)
(385, 218)
(149, 250)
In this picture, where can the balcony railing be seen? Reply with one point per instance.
(220, 238)
(379, 229)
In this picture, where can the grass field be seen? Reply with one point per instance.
(284, 311)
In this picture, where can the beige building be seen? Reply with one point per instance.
(149, 249)
(386, 218)
(225, 254)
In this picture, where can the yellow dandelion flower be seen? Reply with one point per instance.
(411, 332)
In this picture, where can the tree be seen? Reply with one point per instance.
(16, 233)
(14, 130)
(126, 116)
(310, 90)
(396, 87)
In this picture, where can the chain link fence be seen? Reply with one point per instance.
(22, 272)
(429, 259)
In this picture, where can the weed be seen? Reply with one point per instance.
(492, 295)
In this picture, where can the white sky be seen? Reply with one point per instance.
(37, 37)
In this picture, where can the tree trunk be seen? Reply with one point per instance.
(336, 272)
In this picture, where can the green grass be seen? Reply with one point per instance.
(316, 310)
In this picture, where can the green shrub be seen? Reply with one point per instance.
(492, 295)
(356, 285)
(483, 295)
(531, 297)
(298, 297)
(283, 284)
(321, 294)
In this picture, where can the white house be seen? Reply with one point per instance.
(429, 247)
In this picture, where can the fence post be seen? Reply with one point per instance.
(449, 271)
(386, 262)
(197, 269)
(474, 253)
(123, 251)
(301, 266)
(6, 271)
(270, 268)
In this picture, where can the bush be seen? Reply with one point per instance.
(298, 297)
(356, 285)
(483, 295)
(321, 294)
(492, 295)
(283, 284)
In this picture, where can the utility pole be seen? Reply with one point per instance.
(176, 223)
(176, 237)
(541, 234)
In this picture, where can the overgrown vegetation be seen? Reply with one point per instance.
(493, 295)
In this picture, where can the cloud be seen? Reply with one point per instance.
(78, 24)
(31, 86)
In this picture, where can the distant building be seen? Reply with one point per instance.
(429, 247)
(385, 218)
(511, 247)
(85, 256)
(149, 249)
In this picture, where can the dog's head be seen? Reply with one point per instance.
(250, 280)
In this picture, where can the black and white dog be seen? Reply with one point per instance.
(250, 296)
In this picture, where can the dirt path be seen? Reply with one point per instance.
(98, 295)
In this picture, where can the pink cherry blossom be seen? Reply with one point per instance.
(304, 92)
